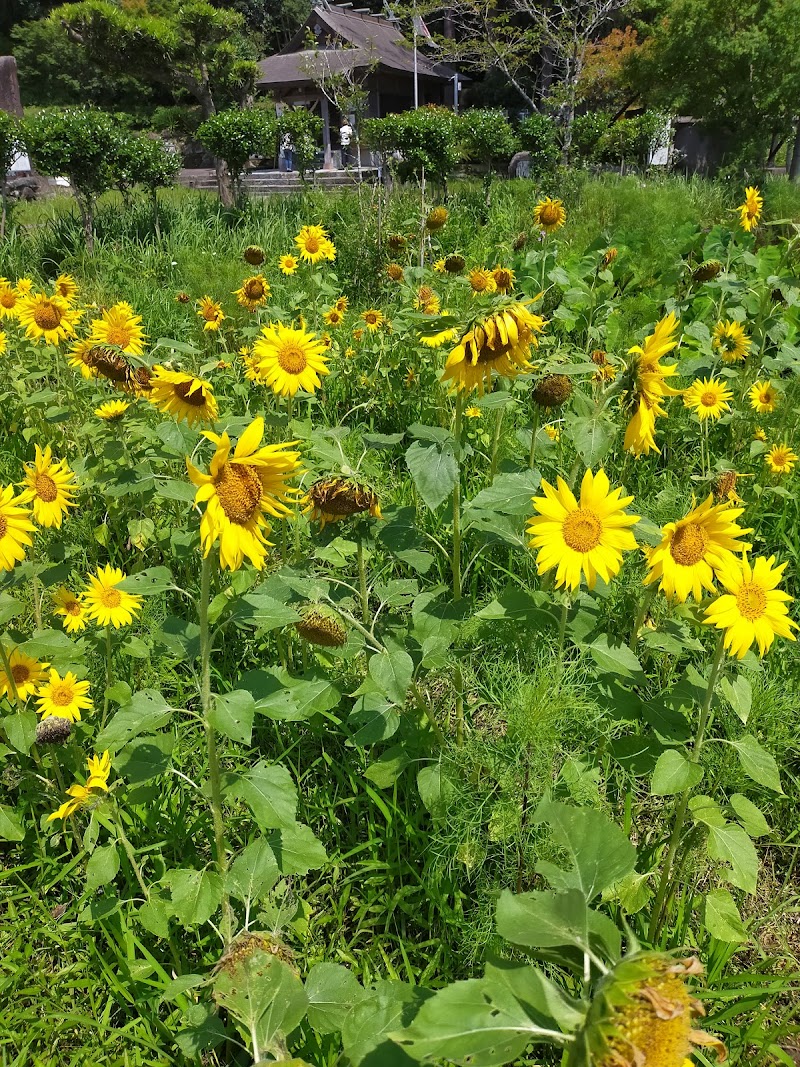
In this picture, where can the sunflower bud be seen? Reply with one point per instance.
(395, 272)
(707, 271)
(396, 242)
(254, 255)
(520, 241)
(454, 264)
(552, 391)
(437, 217)
(182, 298)
(53, 730)
(320, 625)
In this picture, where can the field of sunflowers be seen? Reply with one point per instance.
(397, 629)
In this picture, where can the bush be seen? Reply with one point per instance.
(486, 136)
(234, 136)
(426, 140)
(538, 135)
(632, 140)
(588, 132)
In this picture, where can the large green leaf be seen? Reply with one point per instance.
(722, 917)
(148, 582)
(392, 673)
(297, 849)
(11, 828)
(674, 773)
(196, 895)
(592, 437)
(434, 471)
(385, 1007)
(253, 873)
(509, 494)
(535, 992)
(102, 867)
(614, 657)
(332, 991)
(265, 996)
(731, 844)
(146, 711)
(545, 920)
(757, 763)
(269, 792)
(232, 714)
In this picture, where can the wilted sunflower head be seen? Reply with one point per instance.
(53, 730)
(707, 271)
(394, 272)
(334, 499)
(520, 241)
(437, 217)
(504, 278)
(725, 489)
(182, 297)
(396, 242)
(609, 256)
(321, 625)
(247, 944)
(454, 264)
(499, 344)
(552, 391)
(254, 255)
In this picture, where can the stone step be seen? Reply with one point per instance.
(266, 182)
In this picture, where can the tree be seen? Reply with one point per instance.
(147, 162)
(605, 81)
(10, 146)
(426, 141)
(235, 136)
(305, 130)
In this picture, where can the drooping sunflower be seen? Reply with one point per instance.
(288, 264)
(48, 318)
(183, 396)
(99, 768)
(606, 371)
(15, 528)
(66, 287)
(333, 317)
(609, 257)
(341, 303)
(763, 397)
(112, 410)
(321, 625)
(211, 312)
(753, 609)
(750, 210)
(504, 278)
(314, 244)
(394, 272)
(781, 459)
(105, 603)
(708, 270)
(731, 340)
(581, 537)
(693, 549)
(436, 219)
(288, 359)
(9, 300)
(500, 344)
(552, 391)
(50, 485)
(254, 292)
(373, 319)
(63, 697)
(454, 263)
(77, 357)
(725, 488)
(481, 281)
(239, 489)
(26, 674)
(120, 326)
(708, 398)
(254, 255)
(71, 610)
(334, 499)
(549, 215)
(648, 386)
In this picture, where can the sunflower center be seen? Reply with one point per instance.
(8, 298)
(765, 398)
(292, 358)
(582, 530)
(72, 608)
(61, 695)
(254, 290)
(20, 672)
(46, 488)
(708, 399)
(190, 393)
(370, 318)
(210, 313)
(312, 244)
(3, 526)
(751, 601)
(47, 316)
(239, 490)
(119, 335)
(688, 545)
(549, 214)
(111, 598)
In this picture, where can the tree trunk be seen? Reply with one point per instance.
(774, 148)
(794, 165)
(224, 184)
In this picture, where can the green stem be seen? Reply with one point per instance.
(214, 776)
(641, 614)
(429, 714)
(664, 887)
(534, 434)
(498, 428)
(455, 562)
(362, 581)
(562, 629)
(10, 676)
(122, 837)
(37, 599)
(108, 676)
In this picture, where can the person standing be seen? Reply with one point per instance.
(345, 137)
(287, 148)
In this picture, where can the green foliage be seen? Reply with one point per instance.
(588, 131)
(10, 142)
(83, 144)
(538, 134)
(487, 137)
(146, 161)
(305, 130)
(236, 135)
(426, 140)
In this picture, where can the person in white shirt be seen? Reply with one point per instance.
(345, 137)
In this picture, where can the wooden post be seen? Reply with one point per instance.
(326, 134)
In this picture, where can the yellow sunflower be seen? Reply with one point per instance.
(51, 485)
(553, 432)
(763, 397)
(731, 340)
(752, 609)
(481, 281)
(288, 359)
(341, 303)
(438, 267)
(183, 396)
(70, 608)
(254, 292)
(373, 319)
(47, 317)
(759, 434)
(708, 398)
(66, 287)
(504, 278)
(694, 548)
(120, 326)
(15, 528)
(26, 675)
(237, 492)
(80, 795)
(288, 264)
(781, 459)
(314, 244)
(24, 286)
(211, 312)
(77, 357)
(649, 385)
(437, 217)
(105, 603)
(441, 337)
(750, 210)
(500, 344)
(581, 537)
(3, 342)
(472, 412)
(549, 215)
(333, 317)
(64, 698)
(112, 410)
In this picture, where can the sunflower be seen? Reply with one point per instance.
(66, 287)
(26, 675)
(752, 609)
(439, 267)
(15, 528)
(500, 344)
(254, 292)
(314, 244)
(50, 484)
(694, 548)
(183, 396)
(586, 537)
(238, 491)
(333, 317)
(24, 286)
(759, 434)
(553, 432)
(112, 410)
(321, 625)
(731, 340)
(441, 337)
(47, 317)
(80, 795)
(105, 603)
(211, 312)
(725, 489)
(549, 215)
(750, 210)
(472, 412)
(288, 359)
(481, 280)
(71, 610)
(436, 219)
(77, 357)
(9, 300)
(780, 459)
(119, 326)
(288, 264)
(63, 697)
(606, 371)
(427, 301)
(373, 319)
(708, 398)
(3, 342)
(334, 499)
(649, 385)
(394, 272)
(763, 397)
(454, 263)
(504, 279)
(609, 256)
(708, 270)
(254, 255)
(553, 391)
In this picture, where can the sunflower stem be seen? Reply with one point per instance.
(498, 429)
(562, 629)
(664, 886)
(108, 675)
(122, 837)
(10, 676)
(456, 561)
(214, 776)
(534, 434)
(641, 614)
(363, 592)
(37, 598)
